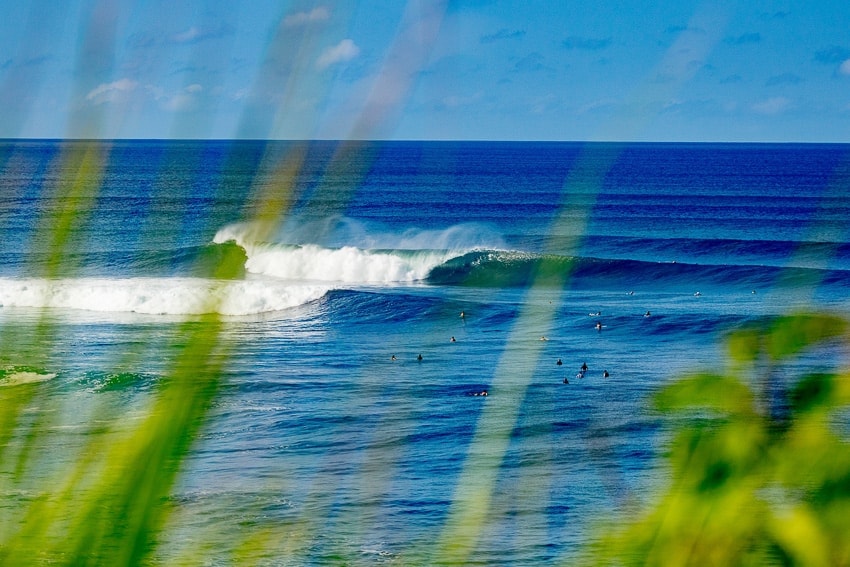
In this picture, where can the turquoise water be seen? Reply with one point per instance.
(328, 416)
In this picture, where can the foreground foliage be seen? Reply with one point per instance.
(759, 461)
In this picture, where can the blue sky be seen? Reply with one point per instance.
(426, 69)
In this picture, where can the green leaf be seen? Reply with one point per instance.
(789, 335)
(711, 391)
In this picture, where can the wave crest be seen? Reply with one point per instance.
(346, 264)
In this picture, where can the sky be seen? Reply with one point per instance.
(626, 70)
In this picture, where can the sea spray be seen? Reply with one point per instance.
(347, 264)
(339, 231)
(407, 258)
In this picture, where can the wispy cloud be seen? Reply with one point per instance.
(601, 105)
(345, 50)
(586, 43)
(773, 105)
(529, 63)
(677, 29)
(24, 63)
(784, 79)
(184, 100)
(456, 101)
(196, 34)
(543, 103)
(832, 55)
(743, 39)
(777, 15)
(110, 92)
(502, 34)
(317, 14)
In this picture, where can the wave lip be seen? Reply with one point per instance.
(157, 296)
(346, 264)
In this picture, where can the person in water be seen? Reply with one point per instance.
(605, 374)
(462, 315)
(419, 358)
(584, 367)
(598, 326)
(453, 340)
(559, 363)
(392, 357)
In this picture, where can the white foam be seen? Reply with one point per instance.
(25, 377)
(348, 264)
(158, 296)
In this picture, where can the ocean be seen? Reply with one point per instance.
(384, 288)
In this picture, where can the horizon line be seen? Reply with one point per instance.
(427, 140)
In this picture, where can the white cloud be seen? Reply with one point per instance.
(773, 105)
(180, 101)
(455, 101)
(844, 69)
(156, 92)
(190, 34)
(601, 105)
(186, 99)
(110, 92)
(543, 103)
(195, 34)
(345, 50)
(317, 14)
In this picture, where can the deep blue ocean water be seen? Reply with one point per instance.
(360, 257)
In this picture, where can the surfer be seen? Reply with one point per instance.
(566, 380)
(598, 326)
(580, 375)
(605, 374)
(392, 357)
(584, 367)
(559, 363)
(453, 340)
(419, 358)
(543, 338)
(462, 315)
(697, 294)
(647, 314)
